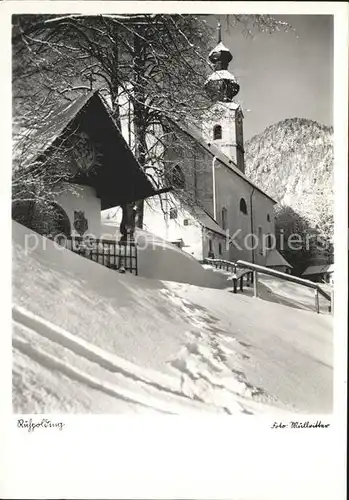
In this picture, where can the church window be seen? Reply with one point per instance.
(268, 217)
(217, 132)
(224, 218)
(173, 213)
(269, 242)
(220, 248)
(176, 177)
(243, 206)
(210, 246)
(260, 240)
(185, 222)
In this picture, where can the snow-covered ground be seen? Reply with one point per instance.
(88, 339)
(159, 259)
(277, 290)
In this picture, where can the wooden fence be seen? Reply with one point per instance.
(110, 253)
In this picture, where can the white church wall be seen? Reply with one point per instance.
(230, 189)
(81, 198)
(216, 243)
(263, 222)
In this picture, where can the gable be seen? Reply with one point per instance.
(117, 176)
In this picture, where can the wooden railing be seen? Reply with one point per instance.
(242, 268)
(227, 265)
(287, 277)
(117, 255)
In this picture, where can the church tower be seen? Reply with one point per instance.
(223, 125)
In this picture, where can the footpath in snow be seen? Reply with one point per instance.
(87, 339)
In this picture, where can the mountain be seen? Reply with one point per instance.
(292, 161)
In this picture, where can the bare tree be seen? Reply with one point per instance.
(158, 62)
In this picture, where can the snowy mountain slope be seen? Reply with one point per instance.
(99, 341)
(292, 160)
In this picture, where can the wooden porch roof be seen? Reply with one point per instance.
(117, 178)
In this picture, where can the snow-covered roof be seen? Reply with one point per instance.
(327, 268)
(275, 258)
(55, 122)
(118, 178)
(221, 74)
(215, 151)
(207, 221)
(219, 48)
(201, 216)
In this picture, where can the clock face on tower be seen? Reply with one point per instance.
(83, 151)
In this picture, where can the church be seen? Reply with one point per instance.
(206, 204)
(215, 210)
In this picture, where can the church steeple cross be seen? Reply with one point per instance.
(221, 85)
(219, 32)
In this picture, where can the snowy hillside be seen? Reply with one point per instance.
(159, 259)
(87, 339)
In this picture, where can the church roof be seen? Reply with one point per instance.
(206, 220)
(311, 270)
(219, 48)
(118, 178)
(275, 258)
(216, 152)
(221, 74)
(221, 85)
(55, 122)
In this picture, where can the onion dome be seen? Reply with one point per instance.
(221, 85)
(220, 56)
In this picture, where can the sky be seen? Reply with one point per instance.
(283, 75)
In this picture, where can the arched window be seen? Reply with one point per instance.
(217, 132)
(269, 242)
(224, 218)
(260, 240)
(243, 206)
(175, 177)
(44, 218)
